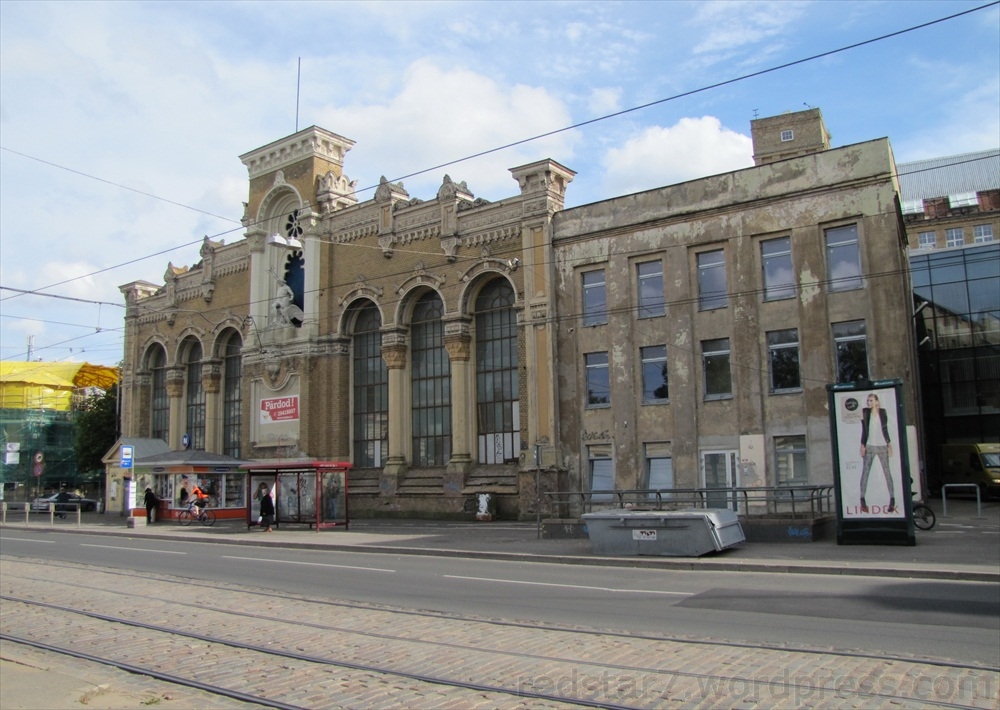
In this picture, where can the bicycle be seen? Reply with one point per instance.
(923, 516)
(189, 515)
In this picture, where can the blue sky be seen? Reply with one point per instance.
(102, 102)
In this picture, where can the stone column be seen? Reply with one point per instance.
(394, 353)
(458, 345)
(175, 393)
(211, 381)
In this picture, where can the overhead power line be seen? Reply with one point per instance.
(523, 141)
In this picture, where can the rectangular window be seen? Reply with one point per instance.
(595, 299)
(852, 351)
(787, 135)
(712, 280)
(790, 461)
(602, 472)
(927, 240)
(715, 358)
(651, 300)
(776, 258)
(843, 258)
(659, 468)
(783, 359)
(598, 380)
(982, 233)
(954, 237)
(654, 374)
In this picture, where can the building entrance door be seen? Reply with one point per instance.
(720, 475)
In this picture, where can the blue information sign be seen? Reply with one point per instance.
(127, 453)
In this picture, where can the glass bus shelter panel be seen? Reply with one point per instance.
(333, 498)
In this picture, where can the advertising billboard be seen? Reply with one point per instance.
(871, 468)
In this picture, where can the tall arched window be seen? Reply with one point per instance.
(498, 416)
(195, 399)
(431, 384)
(371, 390)
(232, 396)
(160, 419)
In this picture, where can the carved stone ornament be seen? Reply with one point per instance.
(451, 190)
(335, 192)
(450, 247)
(387, 191)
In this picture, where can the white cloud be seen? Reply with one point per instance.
(726, 26)
(604, 101)
(436, 115)
(691, 148)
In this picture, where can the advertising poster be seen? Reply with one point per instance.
(278, 417)
(872, 476)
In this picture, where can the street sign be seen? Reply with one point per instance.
(127, 453)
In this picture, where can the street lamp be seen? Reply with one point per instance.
(282, 241)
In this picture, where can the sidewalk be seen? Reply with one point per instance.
(963, 545)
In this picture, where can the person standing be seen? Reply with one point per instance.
(263, 494)
(150, 501)
(875, 444)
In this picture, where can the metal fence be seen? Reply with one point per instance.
(757, 501)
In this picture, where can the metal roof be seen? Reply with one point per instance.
(950, 175)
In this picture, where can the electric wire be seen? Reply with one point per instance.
(543, 135)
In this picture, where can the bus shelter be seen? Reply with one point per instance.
(312, 493)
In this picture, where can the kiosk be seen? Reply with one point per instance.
(304, 492)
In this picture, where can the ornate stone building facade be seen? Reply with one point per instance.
(681, 337)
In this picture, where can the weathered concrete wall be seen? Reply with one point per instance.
(798, 198)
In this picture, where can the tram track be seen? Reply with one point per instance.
(432, 656)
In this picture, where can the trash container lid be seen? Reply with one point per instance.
(718, 516)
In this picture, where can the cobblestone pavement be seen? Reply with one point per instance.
(587, 664)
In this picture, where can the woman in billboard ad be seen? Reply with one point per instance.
(871, 481)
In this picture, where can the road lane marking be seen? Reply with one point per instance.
(133, 549)
(28, 539)
(570, 586)
(309, 564)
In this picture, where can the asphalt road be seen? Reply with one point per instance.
(940, 619)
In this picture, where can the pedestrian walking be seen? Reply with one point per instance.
(263, 494)
(150, 501)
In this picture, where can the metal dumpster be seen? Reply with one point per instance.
(674, 533)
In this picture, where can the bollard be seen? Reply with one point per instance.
(52, 513)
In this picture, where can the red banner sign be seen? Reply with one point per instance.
(279, 409)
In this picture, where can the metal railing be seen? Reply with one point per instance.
(944, 497)
(756, 501)
(51, 513)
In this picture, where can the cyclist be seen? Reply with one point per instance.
(200, 501)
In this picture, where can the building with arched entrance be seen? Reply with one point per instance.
(680, 337)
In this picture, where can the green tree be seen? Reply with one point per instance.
(96, 430)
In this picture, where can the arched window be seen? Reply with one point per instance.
(293, 273)
(232, 396)
(371, 390)
(195, 399)
(431, 384)
(160, 419)
(498, 416)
